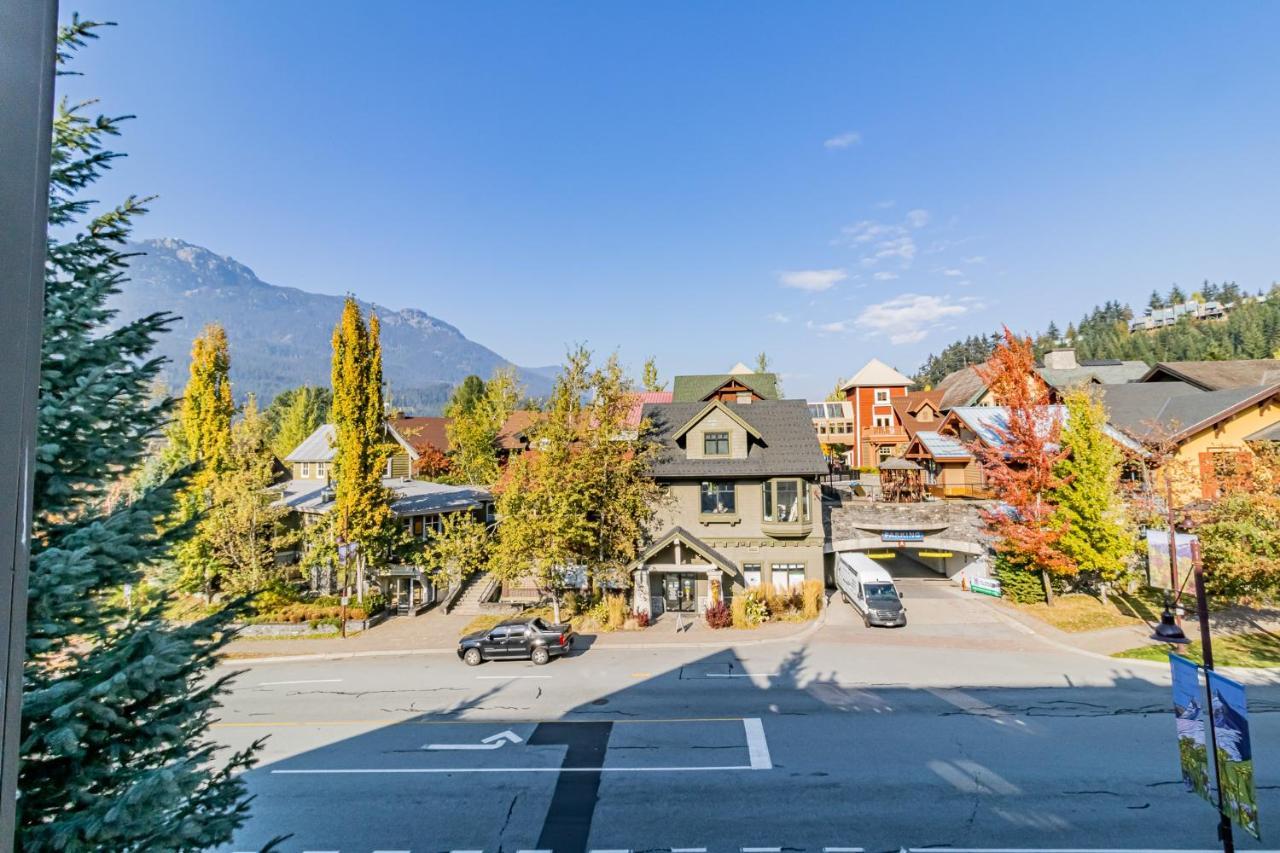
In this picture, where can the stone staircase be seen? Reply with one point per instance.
(468, 601)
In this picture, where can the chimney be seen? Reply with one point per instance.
(1061, 359)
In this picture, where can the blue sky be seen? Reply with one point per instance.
(702, 181)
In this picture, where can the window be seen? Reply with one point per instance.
(718, 498)
(884, 452)
(320, 469)
(417, 527)
(744, 396)
(835, 410)
(785, 501)
(882, 395)
(715, 444)
(884, 421)
(815, 410)
(304, 469)
(787, 575)
(751, 574)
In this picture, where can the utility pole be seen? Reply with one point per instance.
(28, 39)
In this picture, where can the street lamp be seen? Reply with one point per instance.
(1169, 632)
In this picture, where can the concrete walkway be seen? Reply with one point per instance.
(437, 632)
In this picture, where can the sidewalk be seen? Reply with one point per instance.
(437, 633)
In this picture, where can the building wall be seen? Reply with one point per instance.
(741, 539)
(717, 421)
(1227, 436)
(865, 409)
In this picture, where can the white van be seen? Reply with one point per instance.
(870, 589)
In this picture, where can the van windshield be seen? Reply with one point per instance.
(881, 592)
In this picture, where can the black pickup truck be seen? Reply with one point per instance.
(529, 639)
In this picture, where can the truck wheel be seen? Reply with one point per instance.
(472, 657)
(866, 620)
(540, 656)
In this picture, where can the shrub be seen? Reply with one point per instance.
(1019, 583)
(641, 618)
(572, 604)
(739, 612)
(755, 609)
(812, 598)
(718, 616)
(616, 611)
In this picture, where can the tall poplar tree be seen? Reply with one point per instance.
(207, 406)
(116, 753)
(362, 505)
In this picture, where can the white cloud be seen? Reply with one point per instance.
(884, 241)
(976, 259)
(885, 275)
(908, 318)
(844, 140)
(779, 318)
(812, 280)
(918, 218)
(952, 272)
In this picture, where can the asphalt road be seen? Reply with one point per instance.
(854, 738)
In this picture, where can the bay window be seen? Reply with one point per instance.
(785, 502)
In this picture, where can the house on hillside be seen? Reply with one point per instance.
(745, 507)
(418, 505)
(877, 431)
(740, 385)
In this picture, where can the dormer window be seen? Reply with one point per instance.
(715, 444)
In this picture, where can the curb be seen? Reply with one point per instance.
(802, 634)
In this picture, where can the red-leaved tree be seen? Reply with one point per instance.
(1018, 461)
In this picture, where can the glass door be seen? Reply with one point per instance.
(680, 592)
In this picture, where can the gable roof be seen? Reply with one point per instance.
(1100, 372)
(986, 422)
(1177, 410)
(699, 547)
(317, 447)
(695, 388)
(638, 401)
(788, 444)
(1217, 375)
(876, 372)
(421, 434)
(942, 447)
(909, 406)
(512, 436)
(707, 409)
(962, 387)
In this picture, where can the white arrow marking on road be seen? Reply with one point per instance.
(497, 741)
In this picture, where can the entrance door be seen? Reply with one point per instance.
(680, 591)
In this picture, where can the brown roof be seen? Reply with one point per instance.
(422, 433)
(907, 407)
(962, 387)
(1217, 375)
(512, 435)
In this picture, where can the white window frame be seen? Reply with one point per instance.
(885, 421)
(882, 395)
(304, 470)
(320, 466)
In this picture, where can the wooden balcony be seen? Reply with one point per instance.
(884, 435)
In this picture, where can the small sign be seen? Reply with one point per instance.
(985, 586)
(1159, 575)
(1230, 716)
(345, 601)
(902, 536)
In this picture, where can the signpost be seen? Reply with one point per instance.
(902, 536)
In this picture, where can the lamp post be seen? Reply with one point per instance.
(1169, 632)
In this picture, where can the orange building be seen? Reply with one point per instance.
(878, 432)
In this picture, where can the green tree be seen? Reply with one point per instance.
(293, 415)
(473, 434)
(243, 520)
(1155, 301)
(762, 362)
(458, 550)
(465, 396)
(1097, 535)
(649, 379)
(207, 406)
(1176, 296)
(115, 746)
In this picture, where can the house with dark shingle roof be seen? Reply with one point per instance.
(1216, 375)
(744, 505)
(740, 385)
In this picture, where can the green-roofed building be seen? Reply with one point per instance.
(739, 385)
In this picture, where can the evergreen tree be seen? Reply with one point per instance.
(362, 504)
(206, 403)
(1156, 301)
(295, 414)
(1176, 296)
(762, 362)
(650, 379)
(1097, 536)
(116, 753)
(465, 396)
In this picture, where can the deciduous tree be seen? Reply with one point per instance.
(649, 379)
(473, 432)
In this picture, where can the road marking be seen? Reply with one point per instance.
(497, 741)
(466, 851)
(688, 850)
(761, 850)
(610, 851)
(741, 675)
(371, 770)
(302, 681)
(401, 851)
(507, 677)
(533, 851)
(757, 745)
(842, 850)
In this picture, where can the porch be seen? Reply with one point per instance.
(679, 574)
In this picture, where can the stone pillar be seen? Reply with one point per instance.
(640, 597)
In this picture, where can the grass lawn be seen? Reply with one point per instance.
(1257, 649)
(1079, 612)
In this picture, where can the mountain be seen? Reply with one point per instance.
(280, 336)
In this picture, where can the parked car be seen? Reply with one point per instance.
(870, 589)
(528, 639)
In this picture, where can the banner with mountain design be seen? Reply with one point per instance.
(1188, 711)
(1235, 752)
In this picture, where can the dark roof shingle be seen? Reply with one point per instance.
(790, 445)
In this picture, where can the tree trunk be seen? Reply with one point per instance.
(1048, 587)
